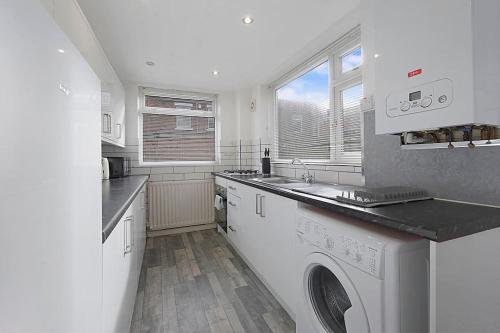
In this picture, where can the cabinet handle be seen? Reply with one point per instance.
(262, 206)
(119, 131)
(231, 228)
(132, 234)
(110, 130)
(231, 203)
(232, 187)
(257, 204)
(127, 237)
(106, 123)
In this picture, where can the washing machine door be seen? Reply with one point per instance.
(332, 300)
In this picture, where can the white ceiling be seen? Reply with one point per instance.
(187, 39)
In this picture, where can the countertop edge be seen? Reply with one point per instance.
(361, 213)
(119, 213)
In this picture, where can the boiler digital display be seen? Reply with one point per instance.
(415, 96)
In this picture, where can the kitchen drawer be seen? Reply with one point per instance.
(234, 188)
(221, 181)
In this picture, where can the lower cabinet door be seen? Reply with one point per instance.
(139, 230)
(118, 277)
(277, 234)
(114, 279)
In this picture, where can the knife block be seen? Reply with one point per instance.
(266, 165)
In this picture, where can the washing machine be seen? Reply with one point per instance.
(354, 276)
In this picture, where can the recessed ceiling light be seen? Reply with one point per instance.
(60, 50)
(215, 73)
(247, 20)
(376, 55)
(150, 63)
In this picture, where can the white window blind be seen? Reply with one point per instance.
(317, 110)
(177, 127)
(303, 117)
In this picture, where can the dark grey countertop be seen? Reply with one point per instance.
(437, 220)
(117, 195)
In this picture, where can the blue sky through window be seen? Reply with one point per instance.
(352, 60)
(311, 87)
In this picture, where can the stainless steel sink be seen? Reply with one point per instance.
(285, 182)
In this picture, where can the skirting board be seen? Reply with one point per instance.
(173, 231)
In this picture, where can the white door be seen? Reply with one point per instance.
(332, 303)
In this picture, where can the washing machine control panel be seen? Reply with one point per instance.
(363, 252)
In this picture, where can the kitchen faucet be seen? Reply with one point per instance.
(308, 178)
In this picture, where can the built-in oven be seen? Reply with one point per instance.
(221, 207)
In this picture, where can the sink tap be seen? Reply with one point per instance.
(307, 178)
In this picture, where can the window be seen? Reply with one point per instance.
(211, 124)
(352, 60)
(303, 120)
(183, 123)
(177, 127)
(317, 107)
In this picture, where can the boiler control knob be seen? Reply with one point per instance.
(442, 98)
(405, 106)
(347, 252)
(426, 102)
(358, 257)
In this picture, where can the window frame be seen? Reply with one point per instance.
(142, 109)
(338, 82)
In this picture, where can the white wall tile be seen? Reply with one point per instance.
(351, 178)
(155, 178)
(341, 168)
(161, 170)
(140, 171)
(194, 176)
(183, 169)
(326, 176)
(173, 176)
(204, 168)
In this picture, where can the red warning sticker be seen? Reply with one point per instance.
(415, 72)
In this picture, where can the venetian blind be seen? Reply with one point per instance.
(317, 113)
(178, 129)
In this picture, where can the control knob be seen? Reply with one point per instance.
(405, 106)
(358, 257)
(426, 102)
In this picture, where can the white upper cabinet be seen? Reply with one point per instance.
(72, 21)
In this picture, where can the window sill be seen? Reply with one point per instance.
(176, 163)
(354, 164)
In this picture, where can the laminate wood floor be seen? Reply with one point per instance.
(196, 282)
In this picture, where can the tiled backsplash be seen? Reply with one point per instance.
(244, 154)
(339, 174)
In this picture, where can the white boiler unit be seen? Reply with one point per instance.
(436, 64)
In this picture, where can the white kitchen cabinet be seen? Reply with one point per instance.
(261, 227)
(276, 233)
(51, 280)
(140, 229)
(122, 259)
(70, 18)
(113, 113)
(116, 275)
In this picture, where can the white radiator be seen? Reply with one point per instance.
(180, 204)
